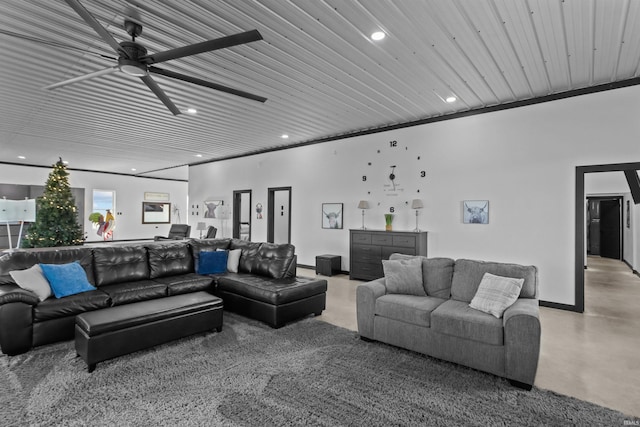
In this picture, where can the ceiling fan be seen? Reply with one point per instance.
(134, 60)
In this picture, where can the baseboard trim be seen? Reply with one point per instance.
(313, 267)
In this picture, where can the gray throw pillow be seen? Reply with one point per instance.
(496, 293)
(403, 276)
(32, 279)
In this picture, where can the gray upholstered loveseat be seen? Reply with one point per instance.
(443, 325)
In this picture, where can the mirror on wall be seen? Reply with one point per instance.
(279, 215)
(242, 214)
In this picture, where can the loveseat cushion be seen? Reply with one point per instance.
(186, 283)
(271, 291)
(468, 274)
(116, 264)
(55, 308)
(457, 319)
(273, 260)
(412, 309)
(436, 274)
(169, 259)
(128, 292)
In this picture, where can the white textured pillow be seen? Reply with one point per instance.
(32, 279)
(233, 260)
(496, 293)
(403, 276)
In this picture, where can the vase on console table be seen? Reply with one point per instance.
(388, 219)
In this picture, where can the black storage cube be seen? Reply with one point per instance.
(328, 265)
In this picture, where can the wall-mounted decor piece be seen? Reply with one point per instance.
(156, 197)
(259, 211)
(475, 212)
(210, 208)
(332, 215)
(156, 213)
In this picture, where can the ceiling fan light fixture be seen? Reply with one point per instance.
(132, 68)
(451, 99)
(378, 35)
(192, 111)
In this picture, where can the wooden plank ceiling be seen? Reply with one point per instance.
(317, 65)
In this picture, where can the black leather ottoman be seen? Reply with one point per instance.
(116, 331)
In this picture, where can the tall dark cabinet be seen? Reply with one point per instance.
(369, 247)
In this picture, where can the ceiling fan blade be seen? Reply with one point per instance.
(160, 94)
(83, 77)
(54, 44)
(205, 83)
(93, 23)
(206, 46)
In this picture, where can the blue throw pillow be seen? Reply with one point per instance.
(66, 279)
(212, 262)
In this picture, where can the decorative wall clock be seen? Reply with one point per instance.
(392, 174)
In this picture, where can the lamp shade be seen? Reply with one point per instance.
(201, 226)
(416, 204)
(363, 204)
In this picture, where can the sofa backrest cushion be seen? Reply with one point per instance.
(198, 245)
(273, 260)
(436, 274)
(25, 258)
(467, 275)
(169, 259)
(249, 257)
(115, 264)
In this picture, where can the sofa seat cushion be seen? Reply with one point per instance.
(271, 291)
(412, 309)
(457, 319)
(128, 292)
(55, 308)
(186, 283)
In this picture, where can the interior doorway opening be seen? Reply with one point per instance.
(279, 215)
(242, 214)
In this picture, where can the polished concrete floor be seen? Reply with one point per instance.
(593, 356)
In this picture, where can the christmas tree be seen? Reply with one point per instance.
(56, 214)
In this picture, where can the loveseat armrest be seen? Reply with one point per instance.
(522, 340)
(366, 296)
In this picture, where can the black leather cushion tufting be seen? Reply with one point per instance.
(117, 264)
(128, 292)
(248, 259)
(54, 308)
(273, 260)
(169, 259)
(272, 291)
(21, 260)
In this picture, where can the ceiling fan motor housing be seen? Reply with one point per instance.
(132, 65)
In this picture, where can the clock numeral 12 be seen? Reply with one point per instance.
(393, 143)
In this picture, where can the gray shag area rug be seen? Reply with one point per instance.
(307, 373)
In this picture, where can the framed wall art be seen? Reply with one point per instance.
(332, 215)
(210, 208)
(156, 213)
(475, 212)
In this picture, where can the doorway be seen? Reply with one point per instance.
(580, 229)
(604, 226)
(242, 214)
(279, 215)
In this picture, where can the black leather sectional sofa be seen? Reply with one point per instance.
(265, 287)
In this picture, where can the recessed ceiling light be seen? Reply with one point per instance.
(192, 111)
(451, 99)
(22, 157)
(378, 35)
(133, 169)
(198, 155)
(284, 136)
(66, 162)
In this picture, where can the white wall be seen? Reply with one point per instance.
(522, 160)
(129, 196)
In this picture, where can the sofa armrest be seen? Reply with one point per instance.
(522, 340)
(13, 293)
(366, 295)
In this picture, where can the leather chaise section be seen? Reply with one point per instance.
(272, 291)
